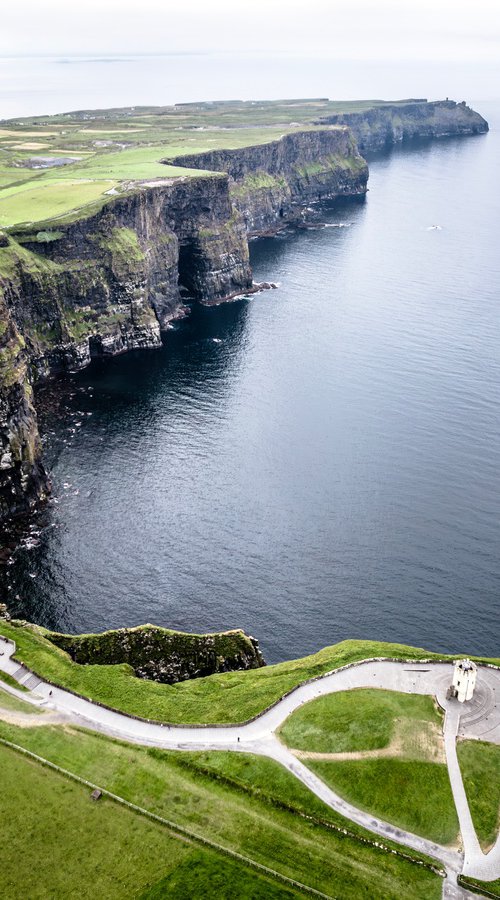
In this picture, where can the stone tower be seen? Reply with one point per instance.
(464, 679)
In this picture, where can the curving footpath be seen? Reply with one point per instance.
(259, 737)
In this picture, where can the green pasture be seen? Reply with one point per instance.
(412, 794)
(248, 805)
(38, 201)
(126, 145)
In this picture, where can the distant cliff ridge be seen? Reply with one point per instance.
(23, 479)
(101, 281)
(383, 126)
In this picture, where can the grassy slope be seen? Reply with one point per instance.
(57, 843)
(8, 701)
(12, 681)
(480, 766)
(75, 848)
(231, 697)
(206, 875)
(217, 799)
(363, 719)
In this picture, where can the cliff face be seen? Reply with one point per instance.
(271, 183)
(383, 126)
(110, 282)
(101, 285)
(163, 655)
(23, 480)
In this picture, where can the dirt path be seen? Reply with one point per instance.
(31, 719)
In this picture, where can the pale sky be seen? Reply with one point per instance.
(338, 29)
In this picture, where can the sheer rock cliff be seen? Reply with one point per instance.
(272, 183)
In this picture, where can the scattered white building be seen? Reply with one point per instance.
(464, 679)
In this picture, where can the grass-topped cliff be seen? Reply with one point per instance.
(52, 165)
(226, 698)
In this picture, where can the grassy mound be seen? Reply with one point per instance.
(359, 720)
(412, 794)
(398, 771)
(162, 654)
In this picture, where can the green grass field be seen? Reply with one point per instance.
(57, 843)
(35, 195)
(204, 875)
(33, 202)
(137, 164)
(480, 766)
(251, 807)
(358, 720)
(229, 698)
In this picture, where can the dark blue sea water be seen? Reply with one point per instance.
(315, 463)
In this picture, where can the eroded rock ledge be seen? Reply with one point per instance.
(163, 655)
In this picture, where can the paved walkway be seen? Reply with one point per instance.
(259, 737)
